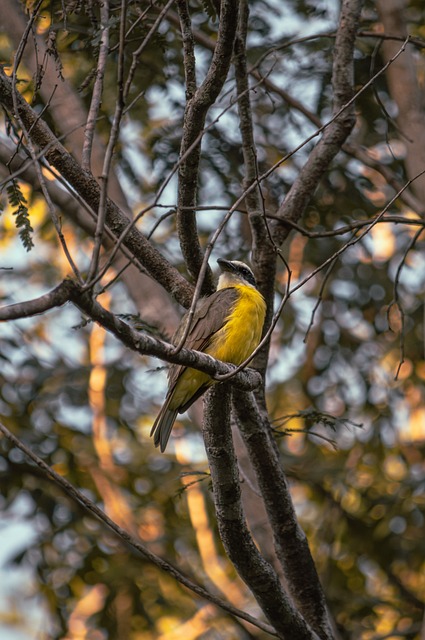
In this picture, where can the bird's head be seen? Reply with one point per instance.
(234, 272)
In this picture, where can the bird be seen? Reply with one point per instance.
(227, 325)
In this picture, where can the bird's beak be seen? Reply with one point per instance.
(226, 265)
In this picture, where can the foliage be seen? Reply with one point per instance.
(18, 202)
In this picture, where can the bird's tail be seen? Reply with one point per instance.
(162, 426)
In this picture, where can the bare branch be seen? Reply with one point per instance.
(143, 289)
(140, 342)
(194, 120)
(136, 546)
(356, 238)
(55, 298)
(348, 147)
(67, 109)
(353, 226)
(98, 86)
(336, 133)
(136, 54)
(189, 62)
(263, 250)
(87, 187)
(290, 541)
(113, 137)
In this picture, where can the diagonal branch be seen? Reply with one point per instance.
(98, 87)
(54, 298)
(144, 291)
(351, 149)
(113, 137)
(66, 109)
(136, 546)
(87, 187)
(335, 134)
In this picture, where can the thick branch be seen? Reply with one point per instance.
(258, 574)
(290, 541)
(336, 133)
(86, 186)
(146, 293)
(55, 298)
(352, 150)
(69, 291)
(194, 120)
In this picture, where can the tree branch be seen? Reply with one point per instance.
(69, 291)
(349, 148)
(66, 108)
(54, 298)
(86, 186)
(113, 137)
(290, 541)
(336, 133)
(263, 253)
(136, 546)
(353, 226)
(258, 574)
(146, 293)
(98, 87)
(194, 120)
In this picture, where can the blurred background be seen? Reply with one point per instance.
(345, 384)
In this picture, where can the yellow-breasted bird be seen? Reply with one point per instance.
(227, 325)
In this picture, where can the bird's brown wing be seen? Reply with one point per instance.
(209, 318)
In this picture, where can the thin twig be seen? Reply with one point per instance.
(85, 184)
(335, 117)
(396, 300)
(98, 86)
(357, 238)
(319, 297)
(188, 208)
(358, 224)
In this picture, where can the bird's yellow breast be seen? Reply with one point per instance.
(242, 330)
(234, 342)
